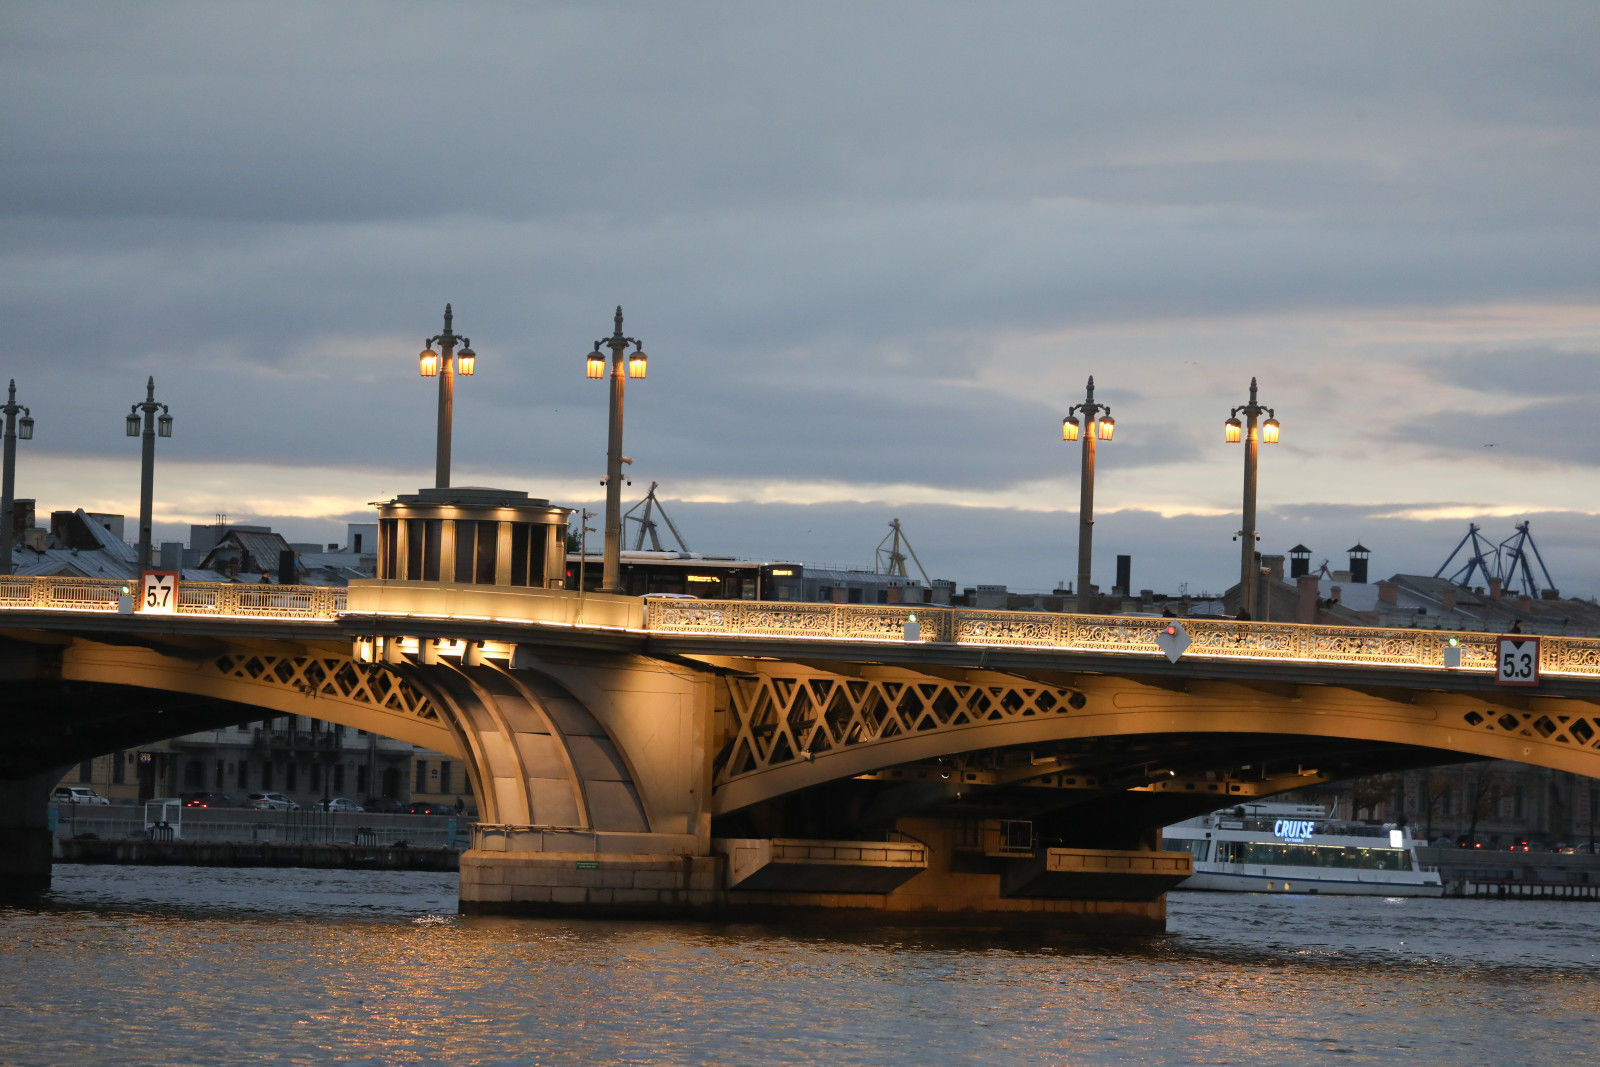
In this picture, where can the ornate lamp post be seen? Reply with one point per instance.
(1252, 436)
(142, 418)
(443, 365)
(1097, 425)
(15, 428)
(595, 365)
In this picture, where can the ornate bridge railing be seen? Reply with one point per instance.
(1130, 635)
(315, 602)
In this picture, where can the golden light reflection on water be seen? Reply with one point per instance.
(307, 972)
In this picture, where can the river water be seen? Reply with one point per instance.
(147, 965)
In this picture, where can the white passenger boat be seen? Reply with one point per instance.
(1296, 848)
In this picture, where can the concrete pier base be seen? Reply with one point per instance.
(895, 882)
(588, 884)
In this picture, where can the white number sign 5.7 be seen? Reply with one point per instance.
(158, 593)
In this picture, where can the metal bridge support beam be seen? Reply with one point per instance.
(25, 839)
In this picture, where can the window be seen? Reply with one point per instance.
(488, 548)
(413, 530)
(422, 776)
(219, 774)
(86, 771)
(266, 774)
(338, 778)
(520, 536)
(387, 548)
(466, 541)
(244, 775)
(444, 776)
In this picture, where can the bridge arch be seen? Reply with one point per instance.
(793, 728)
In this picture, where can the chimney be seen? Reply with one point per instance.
(1447, 600)
(1388, 593)
(1299, 561)
(1273, 565)
(1124, 574)
(1358, 563)
(1494, 588)
(1307, 586)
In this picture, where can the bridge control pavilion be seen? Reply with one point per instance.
(644, 756)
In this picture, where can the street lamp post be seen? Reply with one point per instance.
(1097, 425)
(142, 418)
(15, 428)
(595, 367)
(443, 365)
(1253, 437)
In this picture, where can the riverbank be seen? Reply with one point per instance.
(396, 857)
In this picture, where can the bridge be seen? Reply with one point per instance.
(649, 756)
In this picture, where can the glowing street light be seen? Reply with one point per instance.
(1252, 436)
(1097, 425)
(444, 365)
(15, 428)
(595, 367)
(142, 418)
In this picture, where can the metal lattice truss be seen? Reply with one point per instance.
(779, 720)
(335, 677)
(1579, 731)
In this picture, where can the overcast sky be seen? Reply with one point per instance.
(874, 251)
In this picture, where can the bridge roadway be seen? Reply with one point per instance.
(665, 755)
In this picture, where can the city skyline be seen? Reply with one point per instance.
(872, 267)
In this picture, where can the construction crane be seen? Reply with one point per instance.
(1508, 562)
(1514, 552)
(1477, 561)
(896, 558)
(647, 524)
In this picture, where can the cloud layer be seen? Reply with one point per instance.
(873, 250)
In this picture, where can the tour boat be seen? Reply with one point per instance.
(1296, 848)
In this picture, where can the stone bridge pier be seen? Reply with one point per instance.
(593, 776)
(25, 833)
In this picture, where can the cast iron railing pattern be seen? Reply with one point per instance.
(1123, 635)
(249, 600)
(1117, 634)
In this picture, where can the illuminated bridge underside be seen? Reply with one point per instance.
(321, 682)
(794, 727)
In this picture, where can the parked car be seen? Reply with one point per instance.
(208, 800)
(78, 794)
(271, 802)
(1520, 845)
(383, 805)
(1468, 842)
(340, 804)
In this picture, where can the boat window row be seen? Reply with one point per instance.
(1344, 857)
